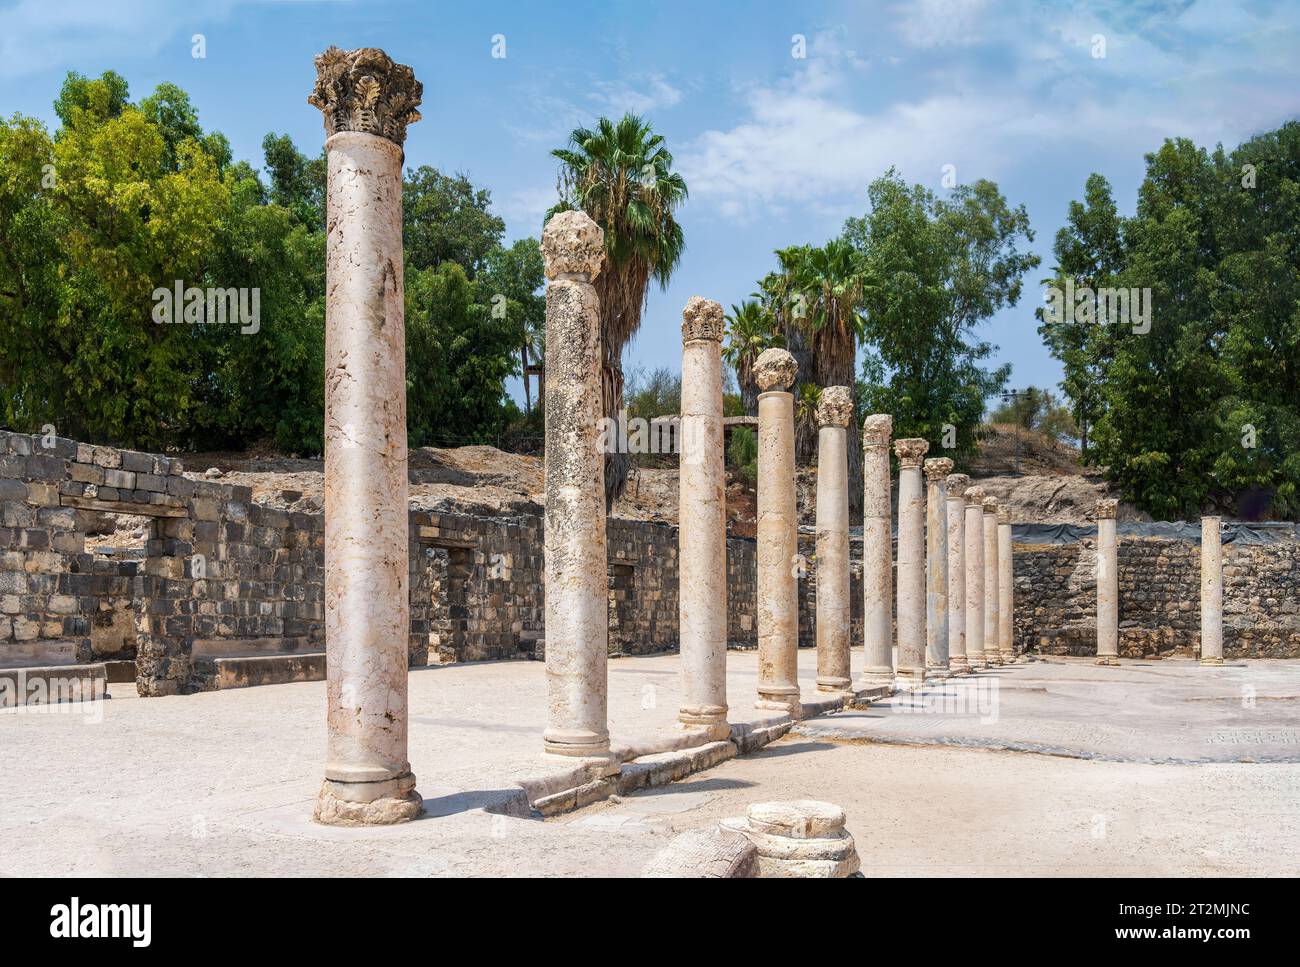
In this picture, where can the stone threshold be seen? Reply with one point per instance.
(662, 759)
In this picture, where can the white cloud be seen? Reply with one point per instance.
(941, 23)
(34, 34)
(639, 97)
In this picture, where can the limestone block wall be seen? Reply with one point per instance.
(1159, 598)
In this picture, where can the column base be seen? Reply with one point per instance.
(576, 743)
(1211, 661)
(938, 671)
(1108, 660)
(368, 803)
(877, 675)
(834, 686)
(783, 700)
(712, 719)
(959, 666)
(909, 679)
(976, 661)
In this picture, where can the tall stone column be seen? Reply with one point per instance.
(834, 413)
(911, 561)
(702, 519)
(936, 565)
(367, 101)
(778, 549)
(974, 538)
(955, 512)
(1211, 591)
(990, 525)
(877, 553)
(1006, 587)
(576, 566)
(1107, 585)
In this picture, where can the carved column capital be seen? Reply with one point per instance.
(364, 90)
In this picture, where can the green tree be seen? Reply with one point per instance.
(620, 173)
(447, 219)
(934, 269)
(511, 283)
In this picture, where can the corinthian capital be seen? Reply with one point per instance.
(364, 90)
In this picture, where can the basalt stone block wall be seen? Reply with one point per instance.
(1159, 598)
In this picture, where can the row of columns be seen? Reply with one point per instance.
(1108, 587)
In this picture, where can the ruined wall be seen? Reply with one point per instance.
(1159, 598)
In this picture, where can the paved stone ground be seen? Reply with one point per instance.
(221, 783)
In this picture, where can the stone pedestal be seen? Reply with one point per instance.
(936, 566)
(834, 414)
(955, 522)
(368, 778)
(1107, 585)
(577, 584)
(877, 554)
(1006, 587)
(800, 839)
(702, 531)
(990, 525)
(778, 550)
(974, 538)
(911, 561)
(1211, 591)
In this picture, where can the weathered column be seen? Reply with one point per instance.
(990, 525)
(367, 101)
(1211, 591)
(974, 538)
(834, 413)
(1107, 585)
(778, 583)
(702, 530)
(911, 561)
(576, 569)
(956, 532)
(1006, 587)
(877, 554)
(936, 566)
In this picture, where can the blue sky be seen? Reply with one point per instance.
(776, 149)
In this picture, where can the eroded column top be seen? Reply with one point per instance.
(910, 451)
(937, 469)
(775, 369)
(1004, 514)
(957, 484)
(573, 246)
(975, 496)
(990, 505)
(1106, 509)
(876, 430)
(835, 407)
(701, 319)
(364, 90)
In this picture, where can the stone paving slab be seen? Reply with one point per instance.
(1172, 711)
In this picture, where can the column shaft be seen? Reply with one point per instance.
(936, 565)
(1211, 591)
(974, 537)
(911, 561)
(1107, 585)
(778, 583)
(990, 526)
(1006, 588)
(834, 414)
(955, 511)
(702, 524)
(877, 553)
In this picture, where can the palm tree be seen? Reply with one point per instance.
(805, 417)
(749, 332)
(621, 175)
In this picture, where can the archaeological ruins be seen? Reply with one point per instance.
(939, 584)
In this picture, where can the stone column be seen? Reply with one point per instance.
(576, 567)
(911, 561)
(877, 554)
(834, 413)
(990, 526)
(1211, 591)
(1107, 585)
(956, 533)
(702, 519)
(367, 101)
(974, 538)
(1006, 587)
(936, 566)
(778, 583)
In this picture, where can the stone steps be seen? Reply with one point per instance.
(52, 684)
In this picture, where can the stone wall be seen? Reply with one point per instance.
(1159, 598)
